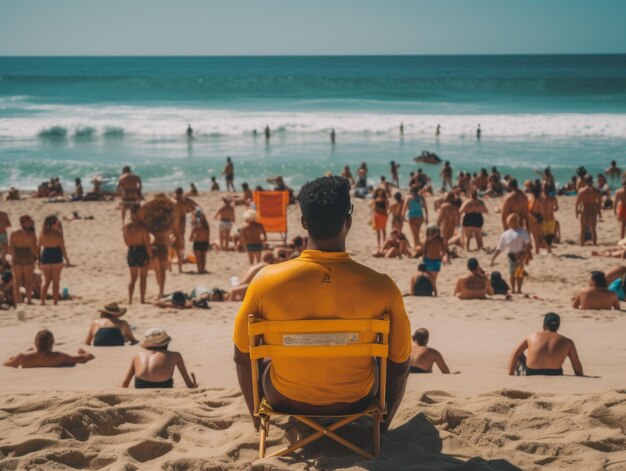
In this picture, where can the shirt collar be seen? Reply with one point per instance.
(319, 256)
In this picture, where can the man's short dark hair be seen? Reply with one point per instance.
(599, 279)
(421, 336)
(472, 264)
(552, 321)
(513, 183)
(325, 203)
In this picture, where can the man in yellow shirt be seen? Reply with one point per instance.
(324, 283)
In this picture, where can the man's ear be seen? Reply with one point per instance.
(349, 221)
(303, 223)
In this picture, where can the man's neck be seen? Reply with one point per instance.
(331, 245)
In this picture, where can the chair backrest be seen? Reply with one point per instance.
(319, 338)
(271, 209)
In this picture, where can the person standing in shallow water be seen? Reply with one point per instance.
(478, 132)
(229, 174)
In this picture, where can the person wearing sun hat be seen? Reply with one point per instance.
(547, 351)
(153, 367)
(109, 330)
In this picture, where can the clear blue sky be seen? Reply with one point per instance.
(241, 27)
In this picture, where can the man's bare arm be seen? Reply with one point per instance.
(576, 303)
(183, 371)
(129, 374)
(573, 356)
(15, 361)
(441, 363)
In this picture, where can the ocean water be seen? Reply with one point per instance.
(75, 117)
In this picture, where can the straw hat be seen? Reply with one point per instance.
(155, 337)
(113, 310)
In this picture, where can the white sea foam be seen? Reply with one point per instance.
(62, 121)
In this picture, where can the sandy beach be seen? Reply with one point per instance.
(479, 419)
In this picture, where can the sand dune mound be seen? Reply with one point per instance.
(209, 429)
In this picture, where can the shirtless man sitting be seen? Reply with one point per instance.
(153, 367)
(597, 295)
(587, 206)
(475, 285)
(42, 355)
(129, 188)
(547, 350)
(423, 357)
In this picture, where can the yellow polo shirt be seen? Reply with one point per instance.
(324, 285)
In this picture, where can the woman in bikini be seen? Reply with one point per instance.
(137, 239)
(471, 212)
(200, 236)
(52, 250)
(23, 249)
(380, 207)
(418, 213)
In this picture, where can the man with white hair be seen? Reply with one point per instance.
(253, 236)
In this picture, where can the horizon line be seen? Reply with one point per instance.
(323, 55)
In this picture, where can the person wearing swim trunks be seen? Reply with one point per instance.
(226, 216)
(153, 367)
(619, 207)
(23, 250)
(448, 218)
(547, 351)
(587, 209)
(5, 223)
(471, 212)
(109, 330)
(597, 295)
(380, 209)
(129, 187)
(423, 357)
(52, 249)
(395, 179)
(446, 177)
(42, 356)
(137, 239)
(516, 242)
(416, 206)
(613, 172)
(435, 251)
(229, 174)
(336, 287)
(550, 206)
(253, 236)
(200, 236)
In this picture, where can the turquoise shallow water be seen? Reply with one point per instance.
(78, 116)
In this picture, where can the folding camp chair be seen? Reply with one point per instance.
(327, 338)
(271, 210)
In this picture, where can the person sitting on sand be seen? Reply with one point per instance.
(547, 351)
(246, 196)
(498, 284)
(226, 215)
(618, 286)
(516, 242)
(475, 285)
(109, 330)
(597, 295)
(12, 194)
(394, 247)
(422, 283)
(423, 357)
(153, 367)
(129, 188)
(335, 286)
(42, 356)
(240, 285)
(193, 191)
(214, 185)
(253, 235)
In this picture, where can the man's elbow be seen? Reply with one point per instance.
(239, 357)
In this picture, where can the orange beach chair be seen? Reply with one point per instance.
(271, 210)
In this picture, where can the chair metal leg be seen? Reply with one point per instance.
(378, 418)
(330, 434)
(264, 429)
